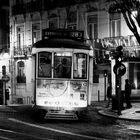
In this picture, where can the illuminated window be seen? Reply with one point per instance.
(115, 25)
(134, 75)
(20, 36)
(92, 26)
(80, 66)
(36, 32)
(44, 66)
(62, 65)
(21, 78)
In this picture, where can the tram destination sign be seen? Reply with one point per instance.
(63, 33)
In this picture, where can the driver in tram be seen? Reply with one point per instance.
(62, 69)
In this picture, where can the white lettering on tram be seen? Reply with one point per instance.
(66, 103)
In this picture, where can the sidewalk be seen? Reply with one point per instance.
(132, 114)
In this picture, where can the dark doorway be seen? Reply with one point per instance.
(1, 92)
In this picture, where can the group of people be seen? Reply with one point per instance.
(127, 94)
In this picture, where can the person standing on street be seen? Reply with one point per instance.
(128, 93)
(109, 95)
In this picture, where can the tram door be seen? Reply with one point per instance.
(1, 92)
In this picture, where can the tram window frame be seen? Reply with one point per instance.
(62, 65)
(74, 68)
(49, 74)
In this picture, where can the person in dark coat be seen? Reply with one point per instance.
(128, 93)
(109, 95)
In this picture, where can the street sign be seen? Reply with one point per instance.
(119, 69)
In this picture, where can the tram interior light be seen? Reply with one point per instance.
(63, 54)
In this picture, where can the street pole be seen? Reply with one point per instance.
(105, 88)
(118, 90)
(119, 70)
(4, 83)
(4, 88)
(105, 75)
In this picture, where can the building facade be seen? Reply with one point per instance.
(103, 31)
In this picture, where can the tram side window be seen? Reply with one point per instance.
(80, 66)
(62, 65)
(44, 64)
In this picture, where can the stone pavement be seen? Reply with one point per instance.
(132, 114)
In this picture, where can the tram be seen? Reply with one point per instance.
(62, 65)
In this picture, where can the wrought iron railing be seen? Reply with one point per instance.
(22, 51)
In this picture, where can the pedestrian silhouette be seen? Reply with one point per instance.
(109, 95)
(128, 93)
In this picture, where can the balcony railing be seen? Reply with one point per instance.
(126, 41)
(22, 51)
(131, 47)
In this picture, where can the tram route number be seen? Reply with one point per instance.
(119, 69)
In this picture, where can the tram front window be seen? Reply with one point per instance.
(80, 66)
(44, 64)
(62, 65)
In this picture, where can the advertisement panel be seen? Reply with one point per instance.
(61, 93)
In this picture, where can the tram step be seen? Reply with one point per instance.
(66, 116)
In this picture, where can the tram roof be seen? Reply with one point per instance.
(61, 43)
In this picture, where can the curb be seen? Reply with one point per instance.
(115, 116)
(14, 108)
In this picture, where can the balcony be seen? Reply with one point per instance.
(131, 48)
(23, 51)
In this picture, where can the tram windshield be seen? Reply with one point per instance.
(60, 65)
(45, 59)
(80, 65)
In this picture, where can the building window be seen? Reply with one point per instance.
(36, 32)
(92, 27)
(53, 23)
(72, 20)
(21, 78)
(115, 25)
(20, 37)
(134, 75)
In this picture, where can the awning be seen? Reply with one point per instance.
(104, 67)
